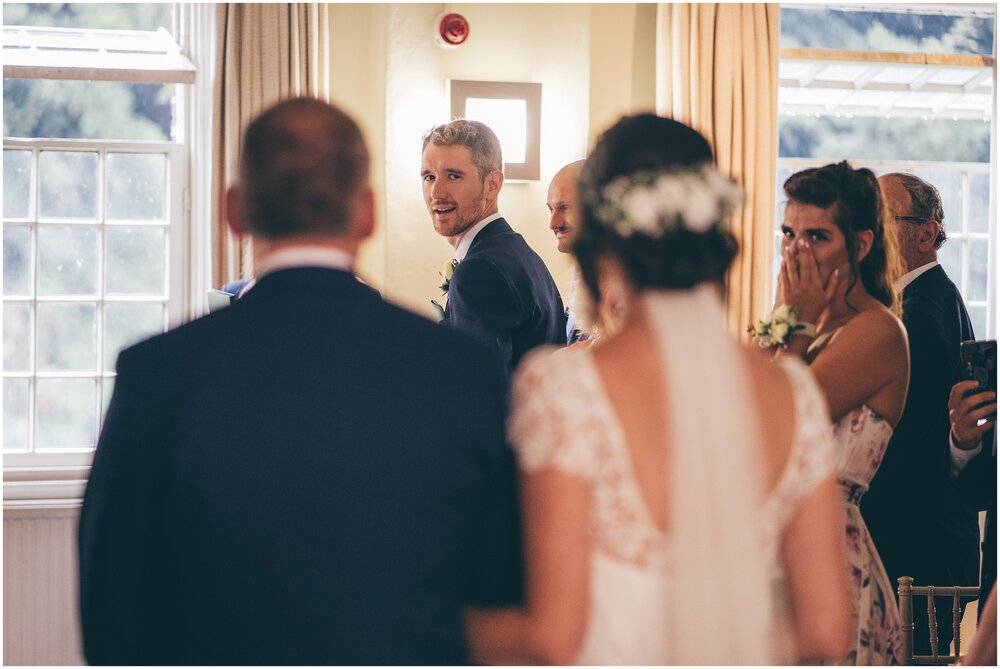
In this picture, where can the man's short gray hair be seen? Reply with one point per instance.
(481, 141)
(926, 201)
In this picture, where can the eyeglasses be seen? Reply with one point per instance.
(912, 219)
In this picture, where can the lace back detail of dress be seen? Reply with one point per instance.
(568, 425)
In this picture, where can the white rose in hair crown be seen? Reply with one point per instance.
(656, 203)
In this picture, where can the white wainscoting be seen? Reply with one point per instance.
(41, 624)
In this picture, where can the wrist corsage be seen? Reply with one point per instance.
(779, 327)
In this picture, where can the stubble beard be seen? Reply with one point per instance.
(464, 220)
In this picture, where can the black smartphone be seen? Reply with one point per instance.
(979, 363)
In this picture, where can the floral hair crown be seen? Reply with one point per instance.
(661, 202)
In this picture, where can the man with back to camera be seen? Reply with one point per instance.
(563, 202)
(919, 522)
(500, 292)
(324, 513)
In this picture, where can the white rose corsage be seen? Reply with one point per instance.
(779, 327)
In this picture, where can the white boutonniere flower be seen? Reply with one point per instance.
(446, 273)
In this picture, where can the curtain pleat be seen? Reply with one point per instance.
(266, 52)
(717, 71)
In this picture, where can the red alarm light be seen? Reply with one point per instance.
(451, 30)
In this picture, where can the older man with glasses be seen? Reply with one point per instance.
(921, 526)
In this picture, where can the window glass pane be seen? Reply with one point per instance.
(135, 261)
(136, 186)
(107, 390)
(67, 336)
(64, 413)
(949, 255)
(67, 260)
(979, 202)
(831, 139)
(979, 253)
(87, 109)
(104, 16)
(67, 184)
(15, 414)
(16, 183)
(886, 31)
(125, 324)
(16, 261)
(16, 336)
(978, 317)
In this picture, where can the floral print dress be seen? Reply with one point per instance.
(862, 437)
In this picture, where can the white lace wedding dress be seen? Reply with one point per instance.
(677, 598)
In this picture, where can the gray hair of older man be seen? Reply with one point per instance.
(926, 201)
(478, 137)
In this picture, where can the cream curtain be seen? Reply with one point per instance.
(266, 52)
(717, 71)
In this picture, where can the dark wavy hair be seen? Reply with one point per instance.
(681, 259)
(857, 205)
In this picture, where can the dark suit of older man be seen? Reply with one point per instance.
(921, 525)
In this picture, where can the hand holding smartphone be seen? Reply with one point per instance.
(979, 363)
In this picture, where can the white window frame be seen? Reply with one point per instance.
(36, 480)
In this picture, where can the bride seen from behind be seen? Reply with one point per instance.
(679, 499)
(836, 309)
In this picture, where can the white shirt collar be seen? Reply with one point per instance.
(908, 278)
(305, 255)
(463, 246)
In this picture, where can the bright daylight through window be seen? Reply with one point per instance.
(900, 89)
(92, 212)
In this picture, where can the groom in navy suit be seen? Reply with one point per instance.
(309, 476)
(501, 292)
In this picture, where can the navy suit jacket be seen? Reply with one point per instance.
(503, 294)
(290, 481)
(978, 483)
(921, 525)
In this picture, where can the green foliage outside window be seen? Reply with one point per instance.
(87, 109)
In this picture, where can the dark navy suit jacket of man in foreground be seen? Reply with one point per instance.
(311, 475)
(501, 292)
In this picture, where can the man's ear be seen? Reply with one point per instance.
(927, 234)
(494, 181)
(364, 216)
(865, 239)
(234, 212)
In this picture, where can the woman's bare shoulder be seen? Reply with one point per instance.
(876, 325)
